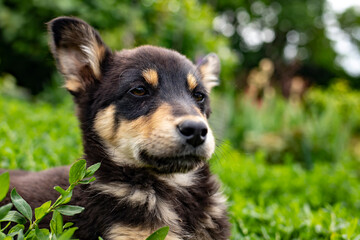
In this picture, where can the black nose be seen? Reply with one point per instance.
(193, 132)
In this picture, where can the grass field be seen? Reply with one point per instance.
(273, 193)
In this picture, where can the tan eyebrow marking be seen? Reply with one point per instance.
(191, 80)
(151, 77)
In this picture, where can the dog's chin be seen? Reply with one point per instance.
(174, 164)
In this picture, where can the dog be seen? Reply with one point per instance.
(143, 114)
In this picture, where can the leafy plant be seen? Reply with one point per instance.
(79, 174)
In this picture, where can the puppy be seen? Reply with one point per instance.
(143, 114)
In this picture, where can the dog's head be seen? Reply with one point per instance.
(148, 107)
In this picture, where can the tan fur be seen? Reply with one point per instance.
(95, 53)
(139, 197)
(73, 83)
(191, 80)
(128, 233)
(219, 206)
(208, 79)
(115, 189)
(209, 71)
(180, 180)
(136, 197)
(151, 76)
(105, 123)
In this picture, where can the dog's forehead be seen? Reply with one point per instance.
(155, 62)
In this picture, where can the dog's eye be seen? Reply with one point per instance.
(138, 91)
(199, 97)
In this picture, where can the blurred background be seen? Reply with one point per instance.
(286, 115)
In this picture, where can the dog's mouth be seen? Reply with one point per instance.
(175, 164)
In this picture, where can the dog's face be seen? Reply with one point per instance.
(148, 106)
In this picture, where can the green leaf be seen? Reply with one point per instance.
(60, 190)
(100, 238)
(5, 184)
(16, 229)
(21, 205)
(92, 169)
(5, 209)
(31, 235)
(20, 235)
(351, 229)
(41, 234)
(14, 216)
(56, 223)
(67, 225)
(87, 181)
(2, 236)
(68, 234)
(159, 234)
(70, 210)
(41, 211)
(77, 171)
(65, 198)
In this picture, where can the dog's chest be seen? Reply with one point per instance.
(188, 203)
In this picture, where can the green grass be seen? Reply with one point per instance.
(288, 202)
(37, 135)
(281, 200)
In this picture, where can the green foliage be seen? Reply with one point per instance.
(182, 25)
(79, 174)
(320, 128)
(286, 201)
(43, 147)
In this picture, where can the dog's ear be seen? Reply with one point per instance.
(78, 50)
(209, 69)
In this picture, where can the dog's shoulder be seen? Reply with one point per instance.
(40, 184)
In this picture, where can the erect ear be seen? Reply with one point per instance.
(78, 50)
(209, 69)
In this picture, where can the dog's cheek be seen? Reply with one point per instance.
(104, 124)
(113, 131)
(118, 137)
